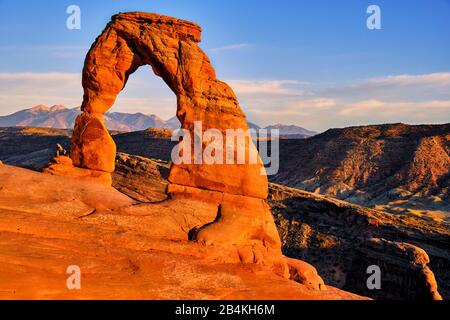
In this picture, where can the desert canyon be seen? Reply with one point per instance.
(141, 227)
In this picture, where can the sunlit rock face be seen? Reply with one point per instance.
(236, 190)
(170, 47)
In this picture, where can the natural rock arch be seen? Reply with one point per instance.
(244, 222)
(170, 47)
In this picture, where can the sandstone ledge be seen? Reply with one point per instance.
(125, 251)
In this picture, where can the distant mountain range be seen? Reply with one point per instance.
(60, 117)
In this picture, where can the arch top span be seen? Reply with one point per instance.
(184, 29)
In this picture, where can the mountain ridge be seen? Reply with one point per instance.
(60, 117)
(390, 167)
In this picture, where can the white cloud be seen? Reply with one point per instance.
(284, 87)
(397, 109)
(415, 87)
(403, 98)
(27, 89)
(55, 51)
(231, 47)
(33, 76)
(433, 79)
(316, 104)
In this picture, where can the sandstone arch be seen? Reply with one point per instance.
(170, 47)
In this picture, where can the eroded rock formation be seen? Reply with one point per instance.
(170, 46)
(126, 250)
(342, 240)
(403, 169)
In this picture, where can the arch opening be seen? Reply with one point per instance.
(148, 100)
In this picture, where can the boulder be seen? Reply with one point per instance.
(305, 274)
(91, 145)
(63, 166)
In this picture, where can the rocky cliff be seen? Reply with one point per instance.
(398, 168)
(342, 240)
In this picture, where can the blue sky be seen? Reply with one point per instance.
(305, 62)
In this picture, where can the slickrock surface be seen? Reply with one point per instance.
(63, 166)
(125, 250)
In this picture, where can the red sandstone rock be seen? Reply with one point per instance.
(333, 236)
(91, 145)
(125, 250)
(63, 166)
(418, 260)
(305, 274)
(242, 222)
(170, 47)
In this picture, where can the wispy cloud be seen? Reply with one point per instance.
(279, 87)
(314, 104)
(231, 47)
(27, 89)
(404, 98)
(431, 86)
(55, 51)
(433, 79)
(396, 109)
(40, 77)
